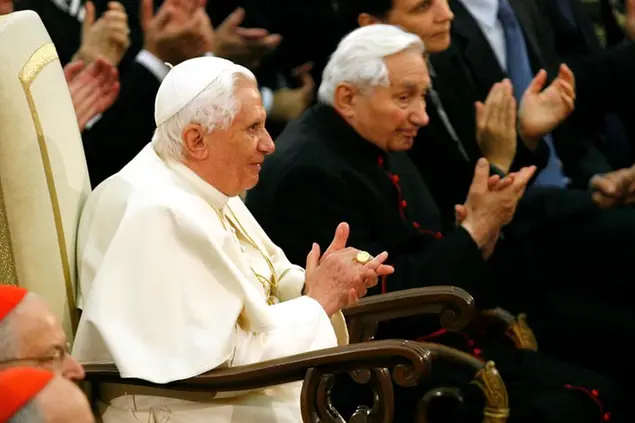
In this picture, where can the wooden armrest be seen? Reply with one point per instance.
(410, 361)
(455, 306)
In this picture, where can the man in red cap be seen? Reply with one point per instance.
(40, 396)
(30, 334)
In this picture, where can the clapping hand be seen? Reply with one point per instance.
(543, 110)
(93, 88)
(491, 203)
(336, 279)
(107, 37)
(496, 125)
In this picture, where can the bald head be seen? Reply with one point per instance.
(31, 334)
(61, 401)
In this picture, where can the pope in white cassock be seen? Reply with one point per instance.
(176, 276)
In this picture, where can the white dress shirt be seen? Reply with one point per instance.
(486, 14)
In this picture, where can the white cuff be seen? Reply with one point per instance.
(153, 64)
(93, 121)
(267, 98)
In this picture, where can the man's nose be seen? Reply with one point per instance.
(71, 369)
(266, 144)
(420, 116)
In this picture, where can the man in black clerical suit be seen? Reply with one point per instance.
(344, 160)
(578, 241)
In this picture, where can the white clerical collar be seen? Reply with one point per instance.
(211, 195)
(484, 11)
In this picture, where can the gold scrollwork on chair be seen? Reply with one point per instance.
(8, 272)
(496, 400)
(522, 335)
(42, 57)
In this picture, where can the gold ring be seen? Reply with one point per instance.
(363, 257)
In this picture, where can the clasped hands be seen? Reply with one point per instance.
(491, 204)
(614, 188)
(541, 110)
(335, 279)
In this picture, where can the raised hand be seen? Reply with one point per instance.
(543, 110)
(93, 88)
(290, 103)
(246, 46)
(487, 210)
(180, 30)
(496, 125)
(338, 280)
(107, 37)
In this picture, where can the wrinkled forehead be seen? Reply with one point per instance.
(37, 325)
(408, 70)
(250, 101)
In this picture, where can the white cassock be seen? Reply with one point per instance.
(174, 281)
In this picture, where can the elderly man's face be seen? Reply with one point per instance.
(236, 153)
(41, 340)
(390, 116)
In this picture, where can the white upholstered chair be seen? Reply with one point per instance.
(43, 175)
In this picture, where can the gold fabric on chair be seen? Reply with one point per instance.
(43, 175)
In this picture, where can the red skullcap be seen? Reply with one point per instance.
(10, 297)
(18, 386)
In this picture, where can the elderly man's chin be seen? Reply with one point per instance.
(402, 142)
(254, 175)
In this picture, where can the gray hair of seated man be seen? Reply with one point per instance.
(28, 414)
(359, 58)
(8, 339)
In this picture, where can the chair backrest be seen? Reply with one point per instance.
(43, 175)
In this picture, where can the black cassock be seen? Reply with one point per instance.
(324, 173)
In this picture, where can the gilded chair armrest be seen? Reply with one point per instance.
(409, 360)
(455, 306)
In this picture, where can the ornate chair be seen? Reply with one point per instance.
(44, 182)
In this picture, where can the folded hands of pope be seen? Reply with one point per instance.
(352, 272)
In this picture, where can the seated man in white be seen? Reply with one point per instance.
(176, 276)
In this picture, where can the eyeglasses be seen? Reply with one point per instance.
(54, 360)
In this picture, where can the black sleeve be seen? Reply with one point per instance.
(125, 128)
(579, 154)
(525, 157)
(310, 203)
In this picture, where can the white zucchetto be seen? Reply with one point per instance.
(184, 82)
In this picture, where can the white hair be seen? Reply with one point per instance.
(28, 414)
(359, 58)
(214, 107)
(9, 347)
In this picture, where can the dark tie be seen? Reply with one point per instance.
(519, 71)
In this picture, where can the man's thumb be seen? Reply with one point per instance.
(481, 175)
(538, 83)
(313, 258)
(89, 16)
(340, 239)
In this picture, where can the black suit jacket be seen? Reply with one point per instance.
(324, 173)
(465, 74)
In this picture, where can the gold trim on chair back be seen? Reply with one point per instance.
(43, 175)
